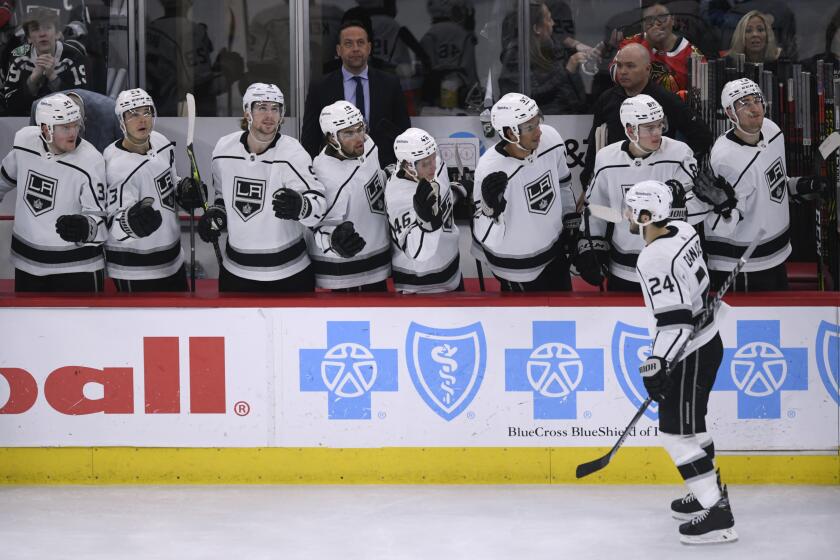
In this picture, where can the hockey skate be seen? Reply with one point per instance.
(714, 525)
(687, 507)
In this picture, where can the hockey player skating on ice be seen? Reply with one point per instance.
(144, 243)
(525, 210)
(60, 209)
(749, 184)
(645, 154)
(675, 285)
(265, 195)
(351, 248)
(419, 201)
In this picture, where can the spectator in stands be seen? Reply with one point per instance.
(43, 64)
(564, 28)
(754, 38)
(669, 51)
(633, 74)
(450, 46)
(831, 54)
(724, 15)
(556, 85)
(377, 94)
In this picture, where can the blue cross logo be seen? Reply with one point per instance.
(348, 370)
(554, 370)
(759, 368)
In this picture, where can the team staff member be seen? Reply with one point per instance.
(375, 93)
(265, 195)
(525, 207)
(60, 210)
(351, 248)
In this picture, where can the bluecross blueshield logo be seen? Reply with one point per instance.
(554, 369)
(827, 352)
(348, 370)
(446, 365)
(631, 346)
(760, 368)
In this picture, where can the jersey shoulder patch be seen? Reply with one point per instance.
(22, 50)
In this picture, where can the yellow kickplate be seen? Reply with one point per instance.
(391, 465)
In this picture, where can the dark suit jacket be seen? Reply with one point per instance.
(388, 113)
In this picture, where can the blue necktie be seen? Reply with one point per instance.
(360, 96)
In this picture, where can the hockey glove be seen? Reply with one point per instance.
(655, 377)
(75, 228)
(290, 205)
(346, 241)
(141, 220)
(427, 205)
(678, 209)
(570, 234)
(715, 191)
(212, 224)
(188, 195)
(493, 193)
(592, 259)
(807, 188)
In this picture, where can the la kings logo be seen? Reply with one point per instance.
(166, 190)
(375, 195)
(776, 180)
(40, 192)
(248, 197)
(540, 194)
(446, 212)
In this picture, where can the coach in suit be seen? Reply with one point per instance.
(377, 94)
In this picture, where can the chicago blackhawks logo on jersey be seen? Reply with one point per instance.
(40, 192)
(166, 190)
(776, 180)
(248, 196)
(540, 194)
(375, 195)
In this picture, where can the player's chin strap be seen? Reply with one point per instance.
(250, 120)
(736, 121)
(337, 147)
(636, 143)
(530, 157)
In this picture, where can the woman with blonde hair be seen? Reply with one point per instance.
(755, 39)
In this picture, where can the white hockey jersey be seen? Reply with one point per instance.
(261, 246)
(50, 186)
(520, 242)
(131, 178)
(422, 261)
(355, 191)
(758, 174)
(675, 284)
(616, 170)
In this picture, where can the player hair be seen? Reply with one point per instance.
(739, 36)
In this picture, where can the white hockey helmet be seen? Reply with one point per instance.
(735, 90)
(56, 109)
(131, 99)
(638, 110)
(263, 92)
(653, 197)
(413, 145)
(510, 111)
(336, 117)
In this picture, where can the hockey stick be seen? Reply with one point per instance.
(197, 176)
(585, 469)
(462, 174)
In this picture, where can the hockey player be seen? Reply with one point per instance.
(254, 172)
(60, 210)
(419, 201)
(43, 64)
(675, 284)
(351, 248)
(748, 164)
(525, 207)
(144, 244)
(645, 154)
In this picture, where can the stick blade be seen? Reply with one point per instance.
(190, 119)
(830, 144)
(605, 213)
(585, 469)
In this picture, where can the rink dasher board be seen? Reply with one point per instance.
(377, 377)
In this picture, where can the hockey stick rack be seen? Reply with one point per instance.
(585, 469)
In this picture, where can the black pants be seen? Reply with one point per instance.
(616, 284)
(72, 282)
(770, 280)
(175, 283)
(554, 278)
(303, 281)
(683, 412)
(381, 286)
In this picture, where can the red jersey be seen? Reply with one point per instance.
(668, 68)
